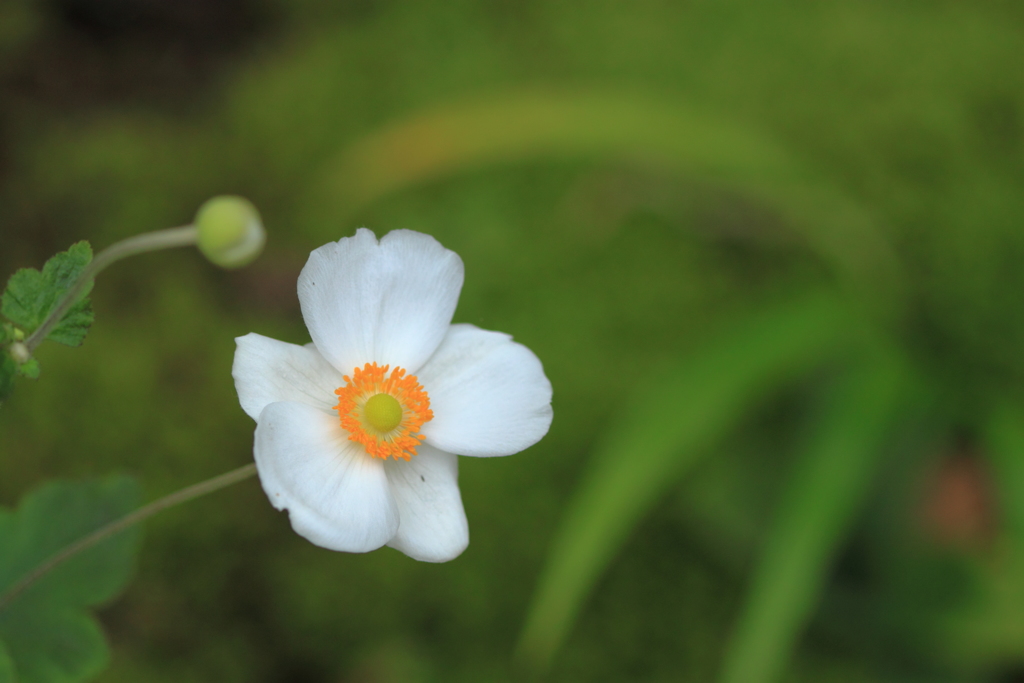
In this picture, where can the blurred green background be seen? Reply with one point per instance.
(629, 186)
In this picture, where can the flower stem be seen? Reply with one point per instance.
(118, 525)
(150, 241)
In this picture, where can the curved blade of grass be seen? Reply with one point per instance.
(667, 424)
(830, 481)
(522, 125)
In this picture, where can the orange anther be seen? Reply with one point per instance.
(368, 381)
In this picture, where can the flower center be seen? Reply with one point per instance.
(383, 412)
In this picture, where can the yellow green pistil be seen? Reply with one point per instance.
(383, 412)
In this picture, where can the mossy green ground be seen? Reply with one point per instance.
(605, 268)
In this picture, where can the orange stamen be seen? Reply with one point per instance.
(368, 381)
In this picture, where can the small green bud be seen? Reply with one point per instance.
(20, 353)
(231, 233)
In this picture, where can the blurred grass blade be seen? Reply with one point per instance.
(830, 480)
(666, 425)
(523, 125)
(1005, 441)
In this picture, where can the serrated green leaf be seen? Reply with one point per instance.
(75, 324)
(48, 634)
(668, 424)
(31, 295)
(830, 481)
(29, 368)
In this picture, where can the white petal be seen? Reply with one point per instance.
(388, 303)
(489, 394)
(267, 371)
(336, 495)
(433, 525)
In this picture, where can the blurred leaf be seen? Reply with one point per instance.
(830, 481)
(672, 420)
(31, 295)
(517, 126)
(54, 645)
(986, 628)
(1005, 441)
(29, 368)
(48, 635)
(989, 628)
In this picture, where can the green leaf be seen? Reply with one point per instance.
(54, 645)
(47, 632)
(668, 423)
(31, 295)
(830, 481)
(29, 368)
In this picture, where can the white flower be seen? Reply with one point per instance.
(356, 432)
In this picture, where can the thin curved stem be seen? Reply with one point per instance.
(150, 241)
(118, 525)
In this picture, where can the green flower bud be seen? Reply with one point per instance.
(20, 353)
(231, 233)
